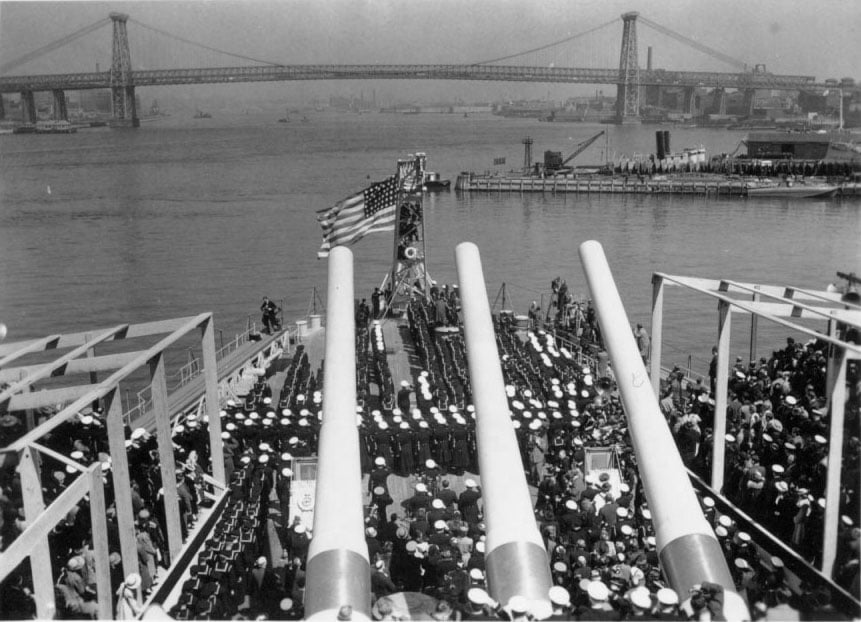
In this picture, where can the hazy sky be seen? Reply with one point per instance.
(810, 37)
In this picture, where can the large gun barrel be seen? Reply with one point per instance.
(338, 570)
(688, 548)
(516, 560)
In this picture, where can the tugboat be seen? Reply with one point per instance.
(432, 182)
(200, 114)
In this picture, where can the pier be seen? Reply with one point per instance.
(632, 184)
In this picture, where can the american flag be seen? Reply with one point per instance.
(368, 211)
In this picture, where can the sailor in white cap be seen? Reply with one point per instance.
(379, 476)
(518, 608)
(668, 603)
(560, 600)
(641, 601)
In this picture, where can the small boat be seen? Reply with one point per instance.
(792, 190)
(202, 115)
(55, 127)
(432, 182)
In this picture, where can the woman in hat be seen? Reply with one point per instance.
(128, 607)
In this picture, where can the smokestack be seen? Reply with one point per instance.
(659, 145)
(649, 58)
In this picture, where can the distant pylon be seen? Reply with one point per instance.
(122, 86)
(527, 154)
(628, 87)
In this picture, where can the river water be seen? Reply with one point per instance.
(190, 215)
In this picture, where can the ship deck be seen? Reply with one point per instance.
(404, 365)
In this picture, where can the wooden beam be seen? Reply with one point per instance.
(210, 371)
(740, 306)
(725, 285)
(725, 312)
(58, 456)
(101, 551)
(38, 529)
(837, 404)
(48, 369)
(161, 408)
(657, 328)
(70, 340)
(47, 397)
(39, 551)
(13, 351)
(107, 384)
(122, 482)
(108, 362)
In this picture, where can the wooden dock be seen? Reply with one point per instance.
(632, 184)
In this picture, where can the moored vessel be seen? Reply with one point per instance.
(793, 190)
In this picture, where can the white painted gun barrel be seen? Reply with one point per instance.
(338, 570)
(515, 558)
(687, 546)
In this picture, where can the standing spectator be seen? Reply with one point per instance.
(643, 342)
(128, 607)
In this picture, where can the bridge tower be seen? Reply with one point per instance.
(718, 105)
(408, 276)
(60, 108)
(748, 102)
(122, 87)
(28, 107)
(628, 87)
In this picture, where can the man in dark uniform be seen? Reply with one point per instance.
(380, 475)
(270, 315)
(404, 402)
(446, 494)
(376, 302)
(468, 502)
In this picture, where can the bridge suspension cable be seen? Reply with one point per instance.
(549, 45)
(694, 44)
(53, 45)
(205, 47)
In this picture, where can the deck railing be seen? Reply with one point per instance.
(142, 400)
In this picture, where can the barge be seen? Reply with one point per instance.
(686, 184)
(688, 172)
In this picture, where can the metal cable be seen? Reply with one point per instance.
(694, 44)
(53, 45)
(205, 47)
(549, 45)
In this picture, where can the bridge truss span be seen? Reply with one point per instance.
(507, 73)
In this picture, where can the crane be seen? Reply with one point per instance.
(555, 165)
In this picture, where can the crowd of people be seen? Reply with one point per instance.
(598, 530)
(84, 439)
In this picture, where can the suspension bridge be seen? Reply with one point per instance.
(546, 64)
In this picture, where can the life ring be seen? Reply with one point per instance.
(411, 253)
(306, 502)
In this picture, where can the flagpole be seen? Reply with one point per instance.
(420, 176)
(397, 238)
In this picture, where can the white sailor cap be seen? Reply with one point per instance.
(598, 591)
(640, 598)
(667, 597)
(477, 596)
(559, 596)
